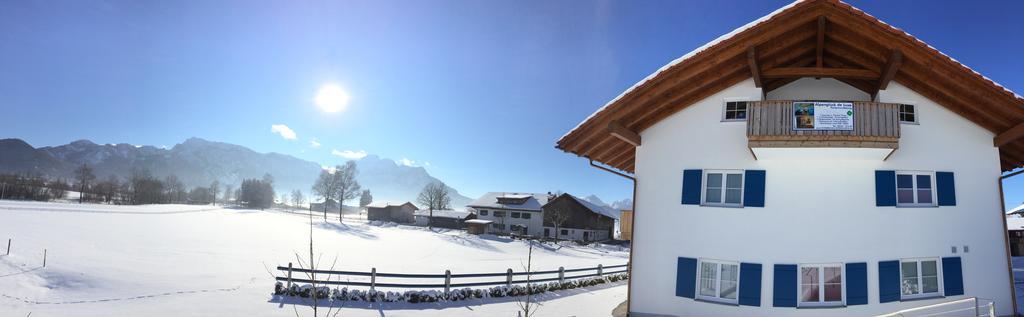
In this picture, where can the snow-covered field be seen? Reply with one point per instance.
(174, 260)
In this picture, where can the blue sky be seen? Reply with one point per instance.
(477, 92)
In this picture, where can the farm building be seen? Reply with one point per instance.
(814, 158)
(572, 218)
(512, 213)
(393, 212)
(478, 226)
(451, 219)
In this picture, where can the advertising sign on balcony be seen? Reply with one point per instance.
(823, 116)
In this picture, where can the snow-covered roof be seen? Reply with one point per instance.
(385, 204)
(490, 200)
(1014, 223)
(442, 213)
(601, 210)
(480, 221)
(1017, 209)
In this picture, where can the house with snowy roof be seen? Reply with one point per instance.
(814, 162)
(391, 211)
(511, 213)
(572, 218)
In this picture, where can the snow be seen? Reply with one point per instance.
(602, 210)
(1016, 209)
(442, 213)
(490, 200)
(170, 260)
(1014, 223)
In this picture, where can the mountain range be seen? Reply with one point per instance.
(198, 162)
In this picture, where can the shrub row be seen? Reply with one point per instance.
(427, 296)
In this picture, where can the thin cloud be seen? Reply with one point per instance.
(407, 162)
(352, 155)
(285, 132)
(314, 144)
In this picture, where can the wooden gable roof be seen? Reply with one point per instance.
(812, 38)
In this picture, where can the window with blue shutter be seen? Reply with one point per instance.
(750, 284)
(885, 188)
(888, 281)
(686, 277)
(753, 191)
(691, 187)
(952, 276)
(856, 283)
(784, 290)
(946, 190)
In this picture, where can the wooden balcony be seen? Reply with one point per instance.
(770, 125)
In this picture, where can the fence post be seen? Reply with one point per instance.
(600, 270)
(8, 246)
(373, 279)
(44, 257)
(447, 280)
(561, 274)
(508, 278)
(289, 275)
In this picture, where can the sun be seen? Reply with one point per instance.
(331, 98)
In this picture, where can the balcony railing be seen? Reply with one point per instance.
(770, 124)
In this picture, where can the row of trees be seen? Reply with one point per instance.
(338, 185)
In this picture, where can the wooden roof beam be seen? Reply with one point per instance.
(820, 47)
(1010, 135)
(854, 73)
(889, 71)
(755, 70)
(622, 133)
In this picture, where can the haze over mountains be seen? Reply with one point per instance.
(198, 162)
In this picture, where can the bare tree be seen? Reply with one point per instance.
(229, 192)
(526, 305)
(365, 198)
(297, 198)
(557, 217)
(214, 190)
(435, 197)
(84, 176)
(348, 188)
(326, 187)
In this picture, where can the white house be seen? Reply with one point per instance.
(815, 162)
(518, 213)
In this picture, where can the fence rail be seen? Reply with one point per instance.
(509, 277)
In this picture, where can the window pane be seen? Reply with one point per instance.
(714, 180)
(809, 293)
(909, 269)
(909, 286)
(833, 274)
(929, 268)
(707, 279)
(833, 292)
(924, 196)
(904, 181)
(734, 180)
(730, 272)
(924, 181)
(909, 118)
(714, 195)
(809, 275)
(741, 115)
(930, 284)
(732, 196)
(728, 290)
(730, 106)
(905, 196)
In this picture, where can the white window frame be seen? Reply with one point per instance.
(722, 203)
(914, 174)
(718, 281)
(821, 285)
(938, 271)
(725, 104)
(917, 114)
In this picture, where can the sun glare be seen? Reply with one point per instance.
(331, 98)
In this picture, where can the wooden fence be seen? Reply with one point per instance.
(509, 277)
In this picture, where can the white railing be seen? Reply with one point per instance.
(967, 307)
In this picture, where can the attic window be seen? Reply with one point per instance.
(735, 111)
(908, 114)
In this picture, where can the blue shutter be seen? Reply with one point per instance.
(691, 186)
(945, 188)
(885, 188)
(856, 283)
(952, 276)
(686, 277)
(750, 284)
(888, 281)
(784, 291)
(753, 188)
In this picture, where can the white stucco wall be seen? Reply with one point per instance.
(816, 211)
(534, 225)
